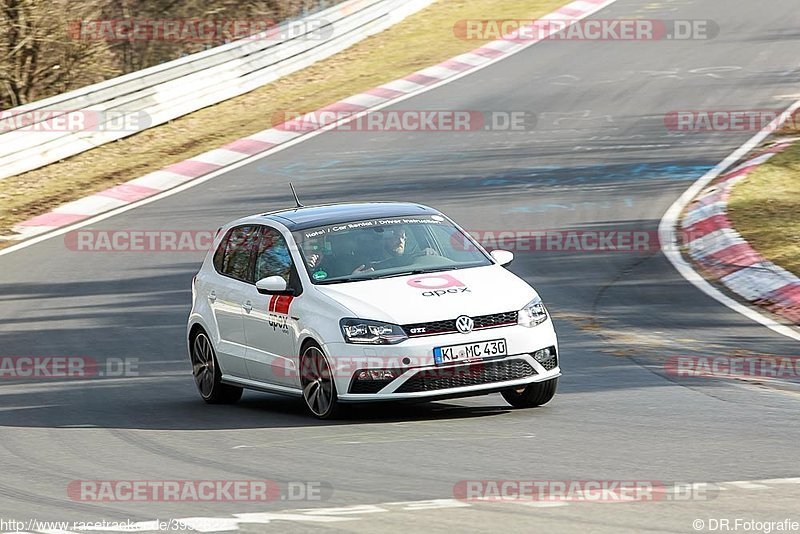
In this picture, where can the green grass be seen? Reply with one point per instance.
(765, 209)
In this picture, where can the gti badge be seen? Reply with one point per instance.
(465, 324)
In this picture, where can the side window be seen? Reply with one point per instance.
(273, 257)
(233, 258)
(219, 255)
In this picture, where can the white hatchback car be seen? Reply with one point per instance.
(365, 302)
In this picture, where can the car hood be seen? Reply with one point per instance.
(434, 296)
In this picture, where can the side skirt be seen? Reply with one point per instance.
(260, 386)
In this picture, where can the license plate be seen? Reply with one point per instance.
(469, 351)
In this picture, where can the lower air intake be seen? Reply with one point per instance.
(467, 375)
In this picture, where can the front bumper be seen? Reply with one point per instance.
(420, 378)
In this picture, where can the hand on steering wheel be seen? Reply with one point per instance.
(427, 251)
(363, 269)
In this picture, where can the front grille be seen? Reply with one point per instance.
(428, 329)
(449, 326)
(467, 375)
(497, 319)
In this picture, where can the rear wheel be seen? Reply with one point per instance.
(319, 389)
(531, 395)
(207, 375)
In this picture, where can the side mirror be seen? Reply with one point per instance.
(273, 285)
(503, 257)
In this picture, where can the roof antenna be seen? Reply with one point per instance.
(296, 200)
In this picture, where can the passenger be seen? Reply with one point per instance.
(314, 251)
(346, 256)
(339, 258)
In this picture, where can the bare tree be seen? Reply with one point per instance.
(39, 58)
(44, 51)
(138, 54)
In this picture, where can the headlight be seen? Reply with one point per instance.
(371, 332)
(533, 313)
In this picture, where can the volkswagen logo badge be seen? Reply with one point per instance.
(465, 324)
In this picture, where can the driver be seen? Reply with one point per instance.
(393, 251)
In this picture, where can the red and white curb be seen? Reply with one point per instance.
(723, 254)
(186, 171)
(671, 222)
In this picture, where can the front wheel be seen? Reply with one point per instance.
(531, 395)
(319, 389)
(207, 375)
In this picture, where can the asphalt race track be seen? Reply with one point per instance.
(599, 158)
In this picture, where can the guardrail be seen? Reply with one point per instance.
(173, 89)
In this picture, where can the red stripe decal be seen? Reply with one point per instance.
(282, 304)
(272, 302)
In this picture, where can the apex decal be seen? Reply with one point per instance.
(438, 285)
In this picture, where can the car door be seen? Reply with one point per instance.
(233, 263)
(270, 328)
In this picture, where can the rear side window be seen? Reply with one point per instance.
(235, 254)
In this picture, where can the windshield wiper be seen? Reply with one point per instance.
(389, 275)
(416, 271)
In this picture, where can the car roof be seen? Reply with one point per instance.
(323, 215)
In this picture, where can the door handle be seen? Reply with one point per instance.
(212, 296)
(248, 306)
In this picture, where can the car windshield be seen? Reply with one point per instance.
(379, 248)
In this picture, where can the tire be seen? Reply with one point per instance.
(319, 388)
(207, 374)
(532, 395)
